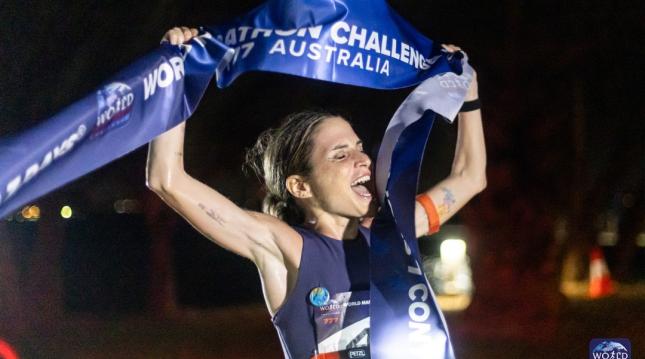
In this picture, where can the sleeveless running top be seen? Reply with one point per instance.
(338, 266)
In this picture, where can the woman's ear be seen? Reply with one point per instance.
(298, 187)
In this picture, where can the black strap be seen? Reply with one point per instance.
(471, 106)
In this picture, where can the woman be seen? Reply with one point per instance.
(317, 178)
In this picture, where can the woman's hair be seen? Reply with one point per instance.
(282, 152)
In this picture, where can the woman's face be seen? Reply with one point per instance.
(341, 172)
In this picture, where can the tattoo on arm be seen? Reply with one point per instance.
(217, 218)
(179, 154)
(446, 204)
(214, 216)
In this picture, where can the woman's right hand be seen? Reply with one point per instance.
(179, 35)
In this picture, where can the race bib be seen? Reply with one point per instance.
(342, 324)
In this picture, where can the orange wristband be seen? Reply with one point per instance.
(431, 211)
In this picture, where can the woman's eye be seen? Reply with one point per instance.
(340, 156)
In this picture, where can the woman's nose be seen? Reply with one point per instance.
(362, 159)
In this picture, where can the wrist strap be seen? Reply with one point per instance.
(471, 106)
(431, 211)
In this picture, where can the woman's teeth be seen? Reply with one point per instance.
(360, 180)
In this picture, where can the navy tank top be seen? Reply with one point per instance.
(337, 265)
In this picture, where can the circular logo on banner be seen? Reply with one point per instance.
(319, 296)
(114, 106)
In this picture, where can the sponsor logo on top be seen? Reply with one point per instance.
(114, 103)
(617, 348)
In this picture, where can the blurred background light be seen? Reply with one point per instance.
(448, 270)
(30, 213)
(123, 206)
(66, 212)
(608, 236)
(452, 251)
(6, 351)
(640, 239)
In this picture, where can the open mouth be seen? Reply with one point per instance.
(359, 187)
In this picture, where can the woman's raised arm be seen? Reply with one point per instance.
(253, 235)
(468, 174)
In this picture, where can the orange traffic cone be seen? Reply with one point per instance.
(600, 283)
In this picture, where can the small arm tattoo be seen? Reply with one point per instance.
(179, 154)
(446, 204)
(214, 216)
(217, 218)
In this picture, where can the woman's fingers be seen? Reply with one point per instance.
(472, 93)
(187, 33)
(451, 47)
(174, 36)
(179, 35)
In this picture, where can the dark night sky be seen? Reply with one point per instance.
(537, 61)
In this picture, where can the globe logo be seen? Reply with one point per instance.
(610, 349)
(114, 103)
(319, 296)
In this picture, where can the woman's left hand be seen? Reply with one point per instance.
(472, 93)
